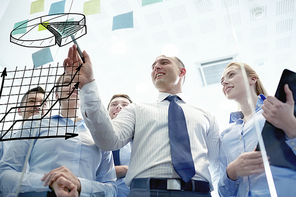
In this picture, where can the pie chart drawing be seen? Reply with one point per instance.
(49, 30)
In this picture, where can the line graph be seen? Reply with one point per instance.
(16, 84)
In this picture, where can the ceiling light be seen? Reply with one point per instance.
(258, 13)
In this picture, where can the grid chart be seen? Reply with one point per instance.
(22, 117)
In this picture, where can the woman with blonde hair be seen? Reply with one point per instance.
(241, 167)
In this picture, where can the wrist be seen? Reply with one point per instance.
(230, 172)
(291, 129)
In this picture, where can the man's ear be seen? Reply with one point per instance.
(183, 72)
(19, 111)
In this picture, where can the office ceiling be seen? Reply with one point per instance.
(259, 32)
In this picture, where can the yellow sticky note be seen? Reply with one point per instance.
(37, 6)
(92, 7)
(42, 26)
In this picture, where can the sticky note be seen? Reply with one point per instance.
(147, 2)
(57, 7)
(43, 27)
(37, 6)
(21, 27)
(123, 21)
(42, 57)
(92, 7)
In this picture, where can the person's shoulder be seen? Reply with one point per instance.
(201, 110)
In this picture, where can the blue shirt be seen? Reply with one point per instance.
(93, 167)
(124, 155)
(239, 138)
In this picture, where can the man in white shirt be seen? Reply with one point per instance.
(151, 172)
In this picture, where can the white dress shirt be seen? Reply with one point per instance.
(147, 125)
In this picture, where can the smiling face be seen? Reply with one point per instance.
(233, 83)
(116, 106)
(32, 101)
(65, 92)
(167, 74)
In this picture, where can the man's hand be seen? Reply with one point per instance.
(52, 176)
(64, 188)
(246, 164)
(121, 171)
(73, 61)
(280, 114)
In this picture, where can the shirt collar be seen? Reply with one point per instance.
(238, 115)
(67, 119)
(163, 95)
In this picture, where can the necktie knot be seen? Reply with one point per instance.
(172, 98)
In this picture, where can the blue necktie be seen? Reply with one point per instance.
(179, 141)
(116, 157)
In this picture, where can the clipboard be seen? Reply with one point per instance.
(274, 138)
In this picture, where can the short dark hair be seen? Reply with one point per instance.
(38, 89)
(181, 64)
(119, 95)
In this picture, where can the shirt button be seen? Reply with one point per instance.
(240, 138)
(294, 148)
(292, 143)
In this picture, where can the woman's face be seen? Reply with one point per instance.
(233, 83)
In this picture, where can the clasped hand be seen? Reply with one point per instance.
(63, 182)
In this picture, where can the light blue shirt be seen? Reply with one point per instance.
(239, 138)
(124, 155)
(92, 166)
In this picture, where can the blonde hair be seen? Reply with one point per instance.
(250, 73)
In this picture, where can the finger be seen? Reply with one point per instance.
(65, 182)
(44, 176)
(271, 100)
(74, 192)
(47, 180)
(289, 95)
(86, 57)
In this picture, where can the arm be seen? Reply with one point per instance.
(108, 135)
(226, 186)
(94, 113)
(104, 185)
(213, 154)
(11, 167)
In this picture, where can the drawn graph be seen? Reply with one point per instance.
(15, 84)
(49, 30)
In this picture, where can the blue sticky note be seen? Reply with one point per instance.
(148, 2)
(42, 57)
(123, 21)
(21, 27)
(57, 7)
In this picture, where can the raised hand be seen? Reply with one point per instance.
(280, 114)
(73, 61)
